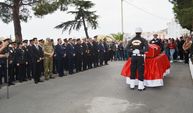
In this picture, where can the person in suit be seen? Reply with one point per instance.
(70, 52)
(41, 45)
(90, 53)
(79, 55)
(106, 52)
(96, 51)
(60, 55)
(36, 61)
(85, 54)
(102, 52)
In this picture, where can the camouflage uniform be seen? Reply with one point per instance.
(48, 60)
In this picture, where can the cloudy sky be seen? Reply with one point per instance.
(151, 15)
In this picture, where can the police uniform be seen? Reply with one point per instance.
(137, 46)
(20, 62)
(11, 66)
(70, 52)
(60, 54)
(28, 60)
(156, 41)
(79, 56)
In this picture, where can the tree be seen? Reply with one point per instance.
(183, 10)
(118, 36)
(82, 15)
(19, 10)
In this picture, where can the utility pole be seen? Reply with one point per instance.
(122, 27)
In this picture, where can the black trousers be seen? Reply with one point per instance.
(85, 61)
(21, 72)
(186, 57)
(71, 65)
(137, 64)
(36, 71)
(78, 62)
(11, 73)
(96, 60)
(60, 66)
(181, 54)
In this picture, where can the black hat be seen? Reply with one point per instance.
(69, 39)
(25, 41)
(65, 40)
(13, 42)
(78, 39)
(34, 39)
(41, 40)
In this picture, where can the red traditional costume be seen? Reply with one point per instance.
(157, 66)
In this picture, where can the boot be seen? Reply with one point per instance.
(132, 83)
(141, 86)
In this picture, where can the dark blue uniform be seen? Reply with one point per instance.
(79, 57)
(96, 53)
(60, 52)
(70, 52)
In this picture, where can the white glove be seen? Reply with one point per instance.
(136, 51)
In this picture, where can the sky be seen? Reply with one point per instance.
(151, 15)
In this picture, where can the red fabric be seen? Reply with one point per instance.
(153, 51)
(154, 67)
(172, 45)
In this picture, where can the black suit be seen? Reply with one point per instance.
(36, 58)
(96, 53)
(70, 52)
(79, 55)
(60, 51)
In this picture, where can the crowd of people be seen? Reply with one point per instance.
(179, 49)
(42, 59)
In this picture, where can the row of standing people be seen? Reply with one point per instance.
(43, 58)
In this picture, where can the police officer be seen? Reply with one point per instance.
(28, 59)
(96, 51)
(156, 41)
(85, 54)
(11, 66)
(137, 46)
(79, 55)
(60, 55)
(20, 62)
(70, 52)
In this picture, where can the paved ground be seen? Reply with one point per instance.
(101, 90)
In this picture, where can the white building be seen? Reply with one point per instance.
(175, 30)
